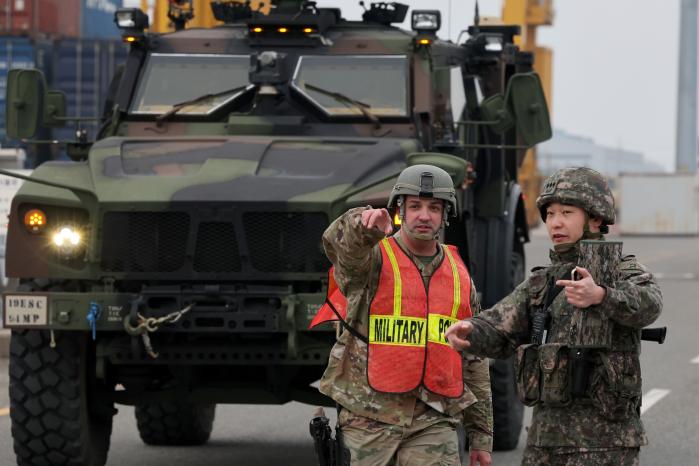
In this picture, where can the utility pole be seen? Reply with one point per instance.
(686, 143)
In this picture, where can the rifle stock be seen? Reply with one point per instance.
(656, 334)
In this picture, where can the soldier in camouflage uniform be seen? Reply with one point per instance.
(601, 424)
(417, 427)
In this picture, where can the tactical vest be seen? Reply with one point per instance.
(561, 371)
(407, 321)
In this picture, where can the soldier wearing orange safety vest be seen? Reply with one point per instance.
(401, 388)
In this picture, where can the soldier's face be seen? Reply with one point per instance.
(423, 216)
(565, 223)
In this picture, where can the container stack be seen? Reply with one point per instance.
(78, 47)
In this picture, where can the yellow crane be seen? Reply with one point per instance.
(202, 16)
(530, 14)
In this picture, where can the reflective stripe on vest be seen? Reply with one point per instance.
(407, 347)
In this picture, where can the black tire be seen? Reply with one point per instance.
(58, 415)
(175, 423)
(508, 411)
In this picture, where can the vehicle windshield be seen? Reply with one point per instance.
(378, 82)
(169, 79)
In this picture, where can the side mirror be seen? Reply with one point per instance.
(494, 110)
(455, 166)
(24, 102)
(525, 98)
(55, 109)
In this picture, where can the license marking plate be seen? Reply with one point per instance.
(25, 310)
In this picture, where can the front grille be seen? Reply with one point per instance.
(217, 248)
(144, 241)
(253, 244)
(286, 241)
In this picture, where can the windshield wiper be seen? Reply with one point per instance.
(177, 107)
(361, 106)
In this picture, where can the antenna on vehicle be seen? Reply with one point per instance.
(476, 19)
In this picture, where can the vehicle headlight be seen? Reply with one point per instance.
(426, 20)
(67, 239)
(131, 18)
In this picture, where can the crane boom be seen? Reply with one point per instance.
(530, 15)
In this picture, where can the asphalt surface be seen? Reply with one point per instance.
(278, 435)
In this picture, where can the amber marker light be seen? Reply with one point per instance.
(257, 29)
(283, 30)
(35, 221)
(424, 42)
(130, 39)
(308, 30)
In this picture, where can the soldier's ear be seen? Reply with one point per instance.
(595, 223)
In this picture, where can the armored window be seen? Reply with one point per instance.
(351, 85)
(170, 79)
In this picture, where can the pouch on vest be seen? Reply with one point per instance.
(554, 362)
(615, 388)
(528, 374)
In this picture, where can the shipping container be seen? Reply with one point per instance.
(97, 19)
(40, 18)
(83, 69)
(658, 204)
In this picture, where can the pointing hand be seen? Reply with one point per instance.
(584, 292)
(379, 219)
(457, 335)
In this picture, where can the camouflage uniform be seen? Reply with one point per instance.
(604, 425)
(376, 424)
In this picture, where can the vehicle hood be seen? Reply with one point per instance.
(232, 169)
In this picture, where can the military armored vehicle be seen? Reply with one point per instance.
(176, 262)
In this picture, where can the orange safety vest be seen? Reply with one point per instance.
(407, 321)
(335, 306)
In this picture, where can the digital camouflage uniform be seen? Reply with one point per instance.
(372, 421)
(603, 426)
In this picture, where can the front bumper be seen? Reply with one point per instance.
(213, 310)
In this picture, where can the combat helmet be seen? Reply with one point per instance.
(582, 187)
(425, 181)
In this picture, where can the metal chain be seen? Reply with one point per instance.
(152, 324)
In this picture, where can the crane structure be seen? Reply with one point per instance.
(530, 14)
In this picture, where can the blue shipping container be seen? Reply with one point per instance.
(97, 19)
(83, 69)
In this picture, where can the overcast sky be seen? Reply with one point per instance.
(615, 66)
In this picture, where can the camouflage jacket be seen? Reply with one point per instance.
(634, 301)
(355, 253)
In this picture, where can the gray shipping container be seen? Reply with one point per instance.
(658, 204)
